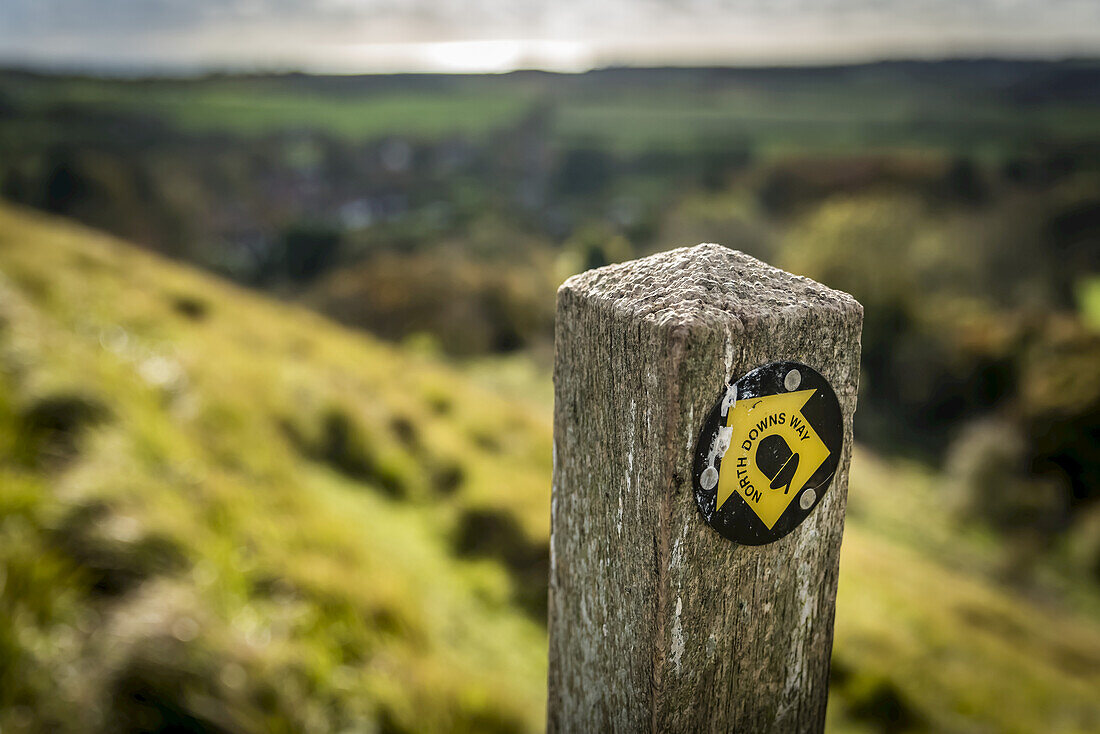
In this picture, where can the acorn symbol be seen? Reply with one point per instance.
(776, 460)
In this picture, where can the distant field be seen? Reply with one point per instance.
(258, 108)
(847, 113)
(778, 126)
(941, 108)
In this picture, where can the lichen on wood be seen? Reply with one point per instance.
(656, 621)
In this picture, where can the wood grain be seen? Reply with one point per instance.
(656, 621)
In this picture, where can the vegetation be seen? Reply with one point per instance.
(221, 513)
(234, 516)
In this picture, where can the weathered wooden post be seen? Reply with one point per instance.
(657, 621)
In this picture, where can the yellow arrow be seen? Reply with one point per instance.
(752, 420)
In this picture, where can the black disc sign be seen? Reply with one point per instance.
(768, 452)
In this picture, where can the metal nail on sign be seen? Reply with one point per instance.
(768, 452)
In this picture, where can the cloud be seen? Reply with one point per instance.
(366, 35)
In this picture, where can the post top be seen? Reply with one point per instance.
(705, 284)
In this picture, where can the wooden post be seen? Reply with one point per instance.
(657, 622)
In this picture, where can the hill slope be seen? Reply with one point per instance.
(220, 513)
(225, 513)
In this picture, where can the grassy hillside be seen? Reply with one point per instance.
(221, 513)
(928, 638)
(227, 513)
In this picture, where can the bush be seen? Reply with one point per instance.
(50, 428)
(989, 469)
(496, 534)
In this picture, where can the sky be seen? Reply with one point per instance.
(357, 36)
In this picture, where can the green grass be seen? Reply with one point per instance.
(838, 123)
(925, 634)
(866, 112)
(220, 511)
(249, 109)
(286, 584)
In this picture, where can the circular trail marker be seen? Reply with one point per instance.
(767, 452)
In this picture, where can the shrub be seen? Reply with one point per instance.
(50, 428)
(989, 468)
